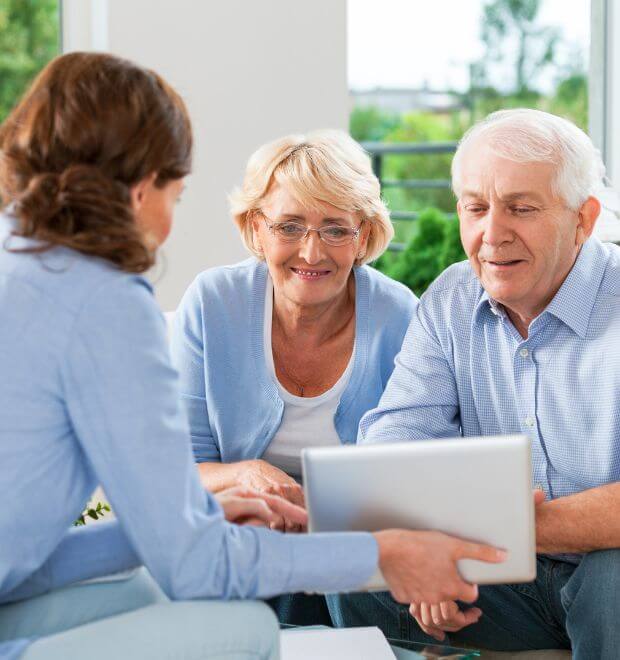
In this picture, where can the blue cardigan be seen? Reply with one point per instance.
(233, 405)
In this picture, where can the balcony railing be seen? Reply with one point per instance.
(378, 150)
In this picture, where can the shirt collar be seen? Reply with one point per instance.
(574, 301)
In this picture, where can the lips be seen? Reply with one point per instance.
(309, 273)
(503, 262)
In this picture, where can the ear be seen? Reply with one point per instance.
(254, 220)
(139, 191)
(588, 215)
(459, 208)
(363, 241)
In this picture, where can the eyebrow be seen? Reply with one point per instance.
(300, 216)
(511, 197)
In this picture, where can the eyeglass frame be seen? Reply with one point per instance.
(268, 220)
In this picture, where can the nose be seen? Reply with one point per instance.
(497, 227)
(311, 248)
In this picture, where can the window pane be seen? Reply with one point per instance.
(420, 73)
(29, 38)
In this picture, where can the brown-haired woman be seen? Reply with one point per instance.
(91, 163)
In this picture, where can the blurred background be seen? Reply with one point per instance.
(405, 77)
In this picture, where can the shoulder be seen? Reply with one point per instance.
(385, 294)
(457, 282)
(611, 278)
(220, 282)
(68, 279)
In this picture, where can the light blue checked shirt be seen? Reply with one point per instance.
(465, 370)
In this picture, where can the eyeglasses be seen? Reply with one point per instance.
(293, 232)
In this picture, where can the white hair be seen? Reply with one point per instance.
(525, 136)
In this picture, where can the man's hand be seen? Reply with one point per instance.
(436, 620)
(245, 506)
(421, 566)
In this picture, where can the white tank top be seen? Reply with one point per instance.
(306, 421)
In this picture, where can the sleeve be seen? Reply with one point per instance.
(420, 400)
(104, 545)
(187, 351)
(122, 398)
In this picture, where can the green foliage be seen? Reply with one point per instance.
(506, 23)
(369, 124)
(433, 247)
(95, 513)
(29, 38)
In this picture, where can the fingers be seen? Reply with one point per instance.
(488, 553)
(293, 513)
(468, 593)
(539, 496)
(436, 620)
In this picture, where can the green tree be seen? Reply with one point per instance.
(505, 22)
(433, 247)
(369, 124)
(29, 38)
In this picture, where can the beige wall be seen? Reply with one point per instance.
(250, 70)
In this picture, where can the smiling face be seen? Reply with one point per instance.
(308, 272)
(520, 238)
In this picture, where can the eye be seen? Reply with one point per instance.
(290, 229)
(522, 210)
(475, 208)
(335, 231)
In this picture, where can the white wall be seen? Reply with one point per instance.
(250, 71)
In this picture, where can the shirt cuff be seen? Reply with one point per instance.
(322, 562)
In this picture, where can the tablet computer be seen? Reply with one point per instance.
(477, 488)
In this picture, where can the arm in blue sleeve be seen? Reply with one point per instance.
(420, 400)
(187, 352)
(104, 546)
(122, 397)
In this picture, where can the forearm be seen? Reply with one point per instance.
(580, 523)
(216, 476)
(84, 553)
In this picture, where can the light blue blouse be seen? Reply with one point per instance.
(88, 395)
(233, 404)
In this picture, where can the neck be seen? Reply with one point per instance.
(314, 324)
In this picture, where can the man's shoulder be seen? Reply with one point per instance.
(457, 281)
(610, 284)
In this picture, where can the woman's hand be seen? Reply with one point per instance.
(245, 506)
(265, 478)
(420, 566)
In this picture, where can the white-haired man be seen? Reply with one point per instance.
(523, 337)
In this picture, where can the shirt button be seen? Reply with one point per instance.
(524, 352)
(529, 422)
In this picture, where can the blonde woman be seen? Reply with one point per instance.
(290, 348)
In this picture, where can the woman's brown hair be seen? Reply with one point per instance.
(91, 126)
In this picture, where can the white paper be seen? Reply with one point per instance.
(334, 644)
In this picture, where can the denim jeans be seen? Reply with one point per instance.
(567, 606)
(132, 619)
(301, 609)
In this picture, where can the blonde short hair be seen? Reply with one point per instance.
(322, 167)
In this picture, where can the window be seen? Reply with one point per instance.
(29, 38)
(420, 73)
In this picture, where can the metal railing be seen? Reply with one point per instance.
(378, 150)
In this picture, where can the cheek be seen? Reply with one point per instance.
(471, 238)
